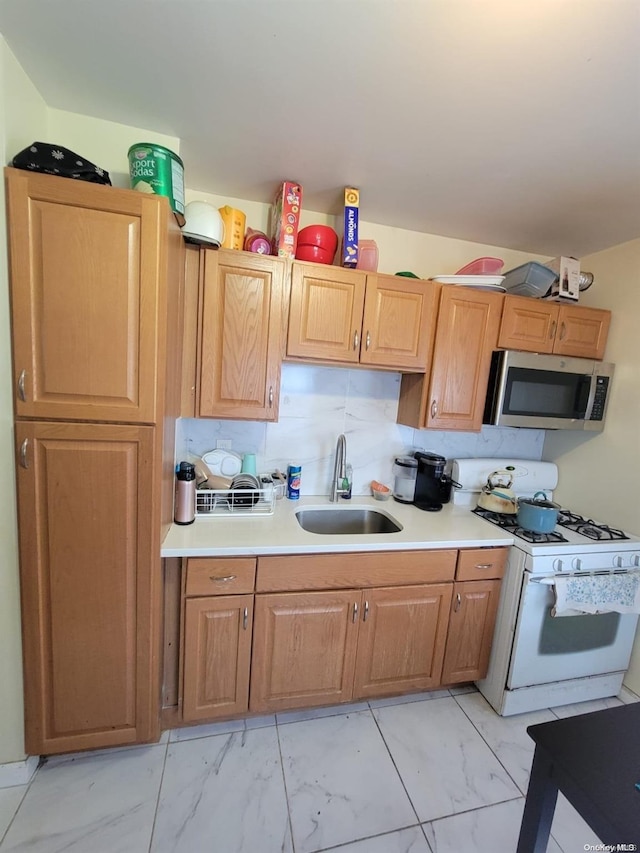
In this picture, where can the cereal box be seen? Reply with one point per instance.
(349, 251)
(285, 219)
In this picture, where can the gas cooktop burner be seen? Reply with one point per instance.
(589, 528)
(509, 523)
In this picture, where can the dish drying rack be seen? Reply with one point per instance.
(212, 503)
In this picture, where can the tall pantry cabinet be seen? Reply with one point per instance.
(96, 280)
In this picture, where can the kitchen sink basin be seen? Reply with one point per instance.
(356, 521)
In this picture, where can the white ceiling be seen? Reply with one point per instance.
(509, 122)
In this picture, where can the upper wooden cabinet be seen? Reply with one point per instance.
(535, 325)
(360, 318)
(240, 339)
(452, 396)
(87, 265)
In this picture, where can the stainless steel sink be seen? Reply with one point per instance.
(353, 521)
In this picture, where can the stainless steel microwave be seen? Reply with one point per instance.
(547, 391)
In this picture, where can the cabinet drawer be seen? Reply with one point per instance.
(220, 576)
(478, 563)
(342, 571)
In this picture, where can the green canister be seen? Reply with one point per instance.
(156, 169)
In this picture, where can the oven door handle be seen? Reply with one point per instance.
(549, 581)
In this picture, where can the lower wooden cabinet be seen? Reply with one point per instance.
(218, 622)
(401, 639)
(90, 578)
(217, 656)
(471, 625)
(307, 638)
(320, 648)
(304, 649)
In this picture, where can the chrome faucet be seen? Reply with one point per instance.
(339, 469)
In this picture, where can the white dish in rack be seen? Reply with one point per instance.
(223, 463)
(484, 281)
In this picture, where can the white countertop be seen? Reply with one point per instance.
(280, 533)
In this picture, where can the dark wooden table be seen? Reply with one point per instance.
(594, 760)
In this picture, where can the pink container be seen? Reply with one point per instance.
(482, 266)
(367, 256)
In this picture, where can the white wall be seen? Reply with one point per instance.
(599, 474)
(23, 118)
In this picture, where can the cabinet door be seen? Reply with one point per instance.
(399, 322)
(402, 639)
(303, 649)
(90, 585)
(466, 335)
(471, 626)
(325, 317)
(240, 340)
(582, 331)
(217, 652)
(86, 265)
(528, 324)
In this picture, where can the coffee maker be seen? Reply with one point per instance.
(433, 486)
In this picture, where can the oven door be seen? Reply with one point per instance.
(550, 648)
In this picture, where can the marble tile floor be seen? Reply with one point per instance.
(435, 772)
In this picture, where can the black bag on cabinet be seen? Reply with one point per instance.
(57, 160)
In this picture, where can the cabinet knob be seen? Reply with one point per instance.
(563, 330)
(434, 408)
(456, 606)
(355, 611)
(21, 380)
(271, 395)
(366, 611)
(245, 618)
(24, 461)
(356, 339)
(367, 342)
(552, 330)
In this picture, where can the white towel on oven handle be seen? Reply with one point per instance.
(605, 592)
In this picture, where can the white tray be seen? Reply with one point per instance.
(470, 280)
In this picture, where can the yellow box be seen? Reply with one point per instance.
(234, 224)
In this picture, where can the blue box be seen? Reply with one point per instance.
(349, 251)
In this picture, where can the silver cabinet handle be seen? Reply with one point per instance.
(563, 330)
(456, 606)
(366, 611)
(21, 381)
(271, 395)
(222, 578)
(434, 409)
(483, 566)
(355, 611)
(356, 339)
(552, 330)
(23, 453)
(245, 618)
(367, 342)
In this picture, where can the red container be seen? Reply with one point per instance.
(319, 235)
(316, 254)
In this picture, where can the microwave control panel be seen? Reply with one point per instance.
(599, 398)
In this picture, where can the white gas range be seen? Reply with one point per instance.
(539, 659)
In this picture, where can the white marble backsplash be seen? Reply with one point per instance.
(319, 403)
